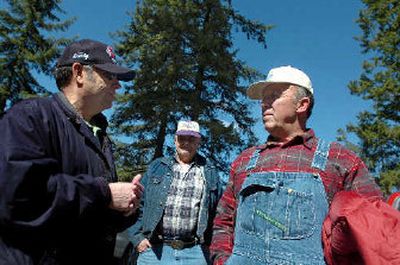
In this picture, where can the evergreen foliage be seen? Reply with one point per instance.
(24, 47)
(378, 129)
(187, 69)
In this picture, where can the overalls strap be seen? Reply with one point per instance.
(321, 155)
(253, 160)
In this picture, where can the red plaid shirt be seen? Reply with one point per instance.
(344, 171)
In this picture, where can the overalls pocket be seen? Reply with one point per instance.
(272, 207)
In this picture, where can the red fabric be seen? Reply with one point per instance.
(344, 171)
(360, 230)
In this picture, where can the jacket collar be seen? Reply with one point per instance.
(98, 120)
(81, 126)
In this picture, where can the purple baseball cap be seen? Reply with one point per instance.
(190, 128)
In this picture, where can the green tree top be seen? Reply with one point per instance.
(378, 129)
(187, 69)
(23, 46)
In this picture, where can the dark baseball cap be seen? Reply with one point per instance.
(100, 55)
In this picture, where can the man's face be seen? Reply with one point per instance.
(101, 86)
(279, 107)
(186, 147)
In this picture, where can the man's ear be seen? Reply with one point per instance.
(303, 104)
(77, 72)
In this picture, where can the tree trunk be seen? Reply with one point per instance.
(158, 152)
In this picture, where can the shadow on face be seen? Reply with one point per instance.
(186, 147)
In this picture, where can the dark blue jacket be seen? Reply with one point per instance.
(157, 181)
(54, 193)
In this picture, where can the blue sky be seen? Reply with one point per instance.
(316, 36)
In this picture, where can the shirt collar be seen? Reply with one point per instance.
(304, 138)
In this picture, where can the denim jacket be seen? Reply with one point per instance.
(157, 181)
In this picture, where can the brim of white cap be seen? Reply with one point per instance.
(189, 133)
(122, 73)
(255, 90)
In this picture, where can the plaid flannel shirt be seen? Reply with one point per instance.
(344, 171)
(183, 202)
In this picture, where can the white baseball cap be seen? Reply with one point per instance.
(283, 74)
(190, 128)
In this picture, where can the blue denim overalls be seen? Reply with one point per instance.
(280, 215)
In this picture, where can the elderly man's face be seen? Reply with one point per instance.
(186, 147)
(279, 107)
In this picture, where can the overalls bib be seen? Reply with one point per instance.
(280, 215)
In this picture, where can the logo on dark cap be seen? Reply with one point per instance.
(79, 55)
(110, 53)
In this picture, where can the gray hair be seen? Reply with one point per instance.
(305, 93)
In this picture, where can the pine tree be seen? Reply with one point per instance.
(24, 48)
(187, 69)
(379, 129)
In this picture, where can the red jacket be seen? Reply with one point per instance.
(359, 230)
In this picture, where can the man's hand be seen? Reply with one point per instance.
(137, 189)
(125, 197)
(143, 245)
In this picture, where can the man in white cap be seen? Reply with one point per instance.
(279, 192)
(178, 206)
(60, 202)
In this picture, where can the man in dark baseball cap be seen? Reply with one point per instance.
(100, 55)
(61, 202)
